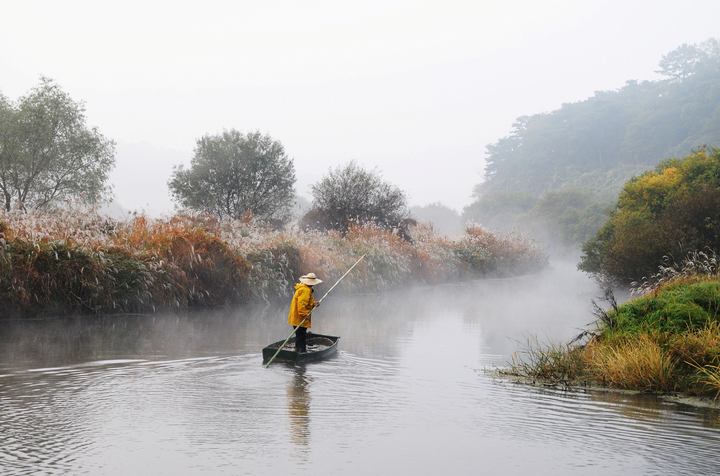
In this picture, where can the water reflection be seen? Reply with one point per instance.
(298, 405)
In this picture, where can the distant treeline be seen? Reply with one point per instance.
(562, 171)
(50, 159)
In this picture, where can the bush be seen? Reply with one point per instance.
(663, 213)
(352, 195)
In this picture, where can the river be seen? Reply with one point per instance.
(409, 392)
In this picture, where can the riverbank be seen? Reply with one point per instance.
(666, 341)
(680, 398)
(84, 263)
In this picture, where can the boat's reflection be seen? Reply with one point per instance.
(298, 397)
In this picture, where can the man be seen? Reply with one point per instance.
(301, 308)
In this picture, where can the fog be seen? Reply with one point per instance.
(415, 89)
(551, 306)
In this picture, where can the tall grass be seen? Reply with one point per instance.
(665, 339)
(71, 262)
(696, 264)
(709, 376)
(638, 363)
(552, 362)
(649, 360)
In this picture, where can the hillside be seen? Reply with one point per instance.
(558, 174)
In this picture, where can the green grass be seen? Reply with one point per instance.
(674, 308)
(667, 340)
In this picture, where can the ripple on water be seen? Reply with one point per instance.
(219, 413)
(611, 423)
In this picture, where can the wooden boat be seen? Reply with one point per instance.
(319, 346)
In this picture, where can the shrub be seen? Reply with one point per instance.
(352, 195)
(662, 213)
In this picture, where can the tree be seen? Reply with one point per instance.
(596, 145)
(232, 174)
(665, 213)
(47, 153)
(686, 60)
(352, 194)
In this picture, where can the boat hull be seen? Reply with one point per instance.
(319, 346)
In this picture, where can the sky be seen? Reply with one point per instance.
(413, 89)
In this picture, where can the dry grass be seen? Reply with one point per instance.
(696, 266)
(81, 262)
(687, 361)
(709, 377)
(551, 363)
(638, 363)
(698, 346)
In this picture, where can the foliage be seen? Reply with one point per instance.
(659, 214)
(687, 60)
(74, 262)
(595, 146)
(47, 153)
(233, 174)
(351, 194)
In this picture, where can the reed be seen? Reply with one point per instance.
(558, 364)
(81, 262)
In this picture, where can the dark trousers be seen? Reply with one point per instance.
(301, 339)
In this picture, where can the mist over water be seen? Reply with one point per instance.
(408, 392)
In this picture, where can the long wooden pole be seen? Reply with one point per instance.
(305, 319)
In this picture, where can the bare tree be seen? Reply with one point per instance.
(352, 194)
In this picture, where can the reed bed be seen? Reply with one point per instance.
(73, 262)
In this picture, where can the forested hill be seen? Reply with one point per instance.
(561, 171)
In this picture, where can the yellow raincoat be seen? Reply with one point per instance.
(301, 306)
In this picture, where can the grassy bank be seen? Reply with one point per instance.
(69, 263)
(667, 340)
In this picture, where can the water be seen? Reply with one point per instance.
(408, 393)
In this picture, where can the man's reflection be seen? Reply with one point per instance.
(299, 406)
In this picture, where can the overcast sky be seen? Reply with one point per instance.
(415, 89)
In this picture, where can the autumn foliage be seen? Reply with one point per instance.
(80, 263)
(665, 213)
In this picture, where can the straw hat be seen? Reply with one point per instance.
(310, 279)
